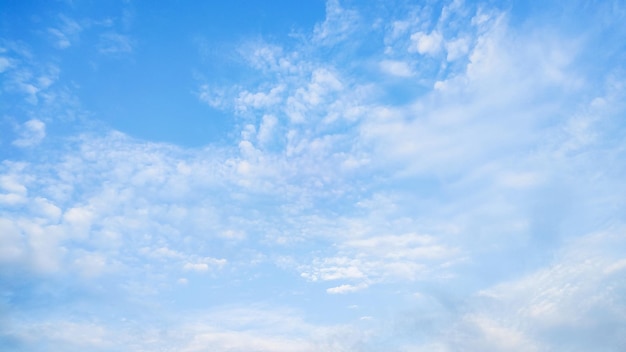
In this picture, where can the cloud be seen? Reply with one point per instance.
(5, 64)
(196, 266)
(341, 289)
(10, 239)
(91, 264)
(457, 48)
(336, 269)
(61, 39)
(558, 307)
(266, 129)
(272, 329)
(28, 78)
(14, 191)
(396, 68)
(259, 100)
(204, 264)
(340, 23)
(67, 32)
(426, 44)
(233, 235)
(113, 43)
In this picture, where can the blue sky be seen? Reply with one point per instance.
(312, 176)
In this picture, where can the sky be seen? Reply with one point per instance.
(313, 176)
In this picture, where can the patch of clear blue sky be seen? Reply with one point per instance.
(152, 92)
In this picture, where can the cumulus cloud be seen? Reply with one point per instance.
(14, 190)
(426, 43)
(259, 100)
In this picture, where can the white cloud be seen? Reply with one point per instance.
(233, 235)
(266, 130)
(409, 246)
(336, 269)
(78, 221)
(491, 335)
(396, 68)
(205, 264)
(268, 58)
(5, 64)
(196, 266)
(10, 183)
(63, 334)
(520, 180)
(457, 48)
(234, 329)
(11, 246)
(62, 41)
(14, 190)
(46, 209)
(66, 33)
(213, 98)
(341, 289)
(616, 267)
(248, 100)
(338, 25)
(163, 253)
(426, 44)
(382, 259)
(555, 308)
(45, 252)
(248, 341)
(90, 265)
(322, 85)
(114, 43)
(31, 133)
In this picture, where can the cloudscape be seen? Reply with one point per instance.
(313, 176)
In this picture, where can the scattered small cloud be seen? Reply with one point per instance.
(346, 288)
(426, 43)
(204, 264)
(396, 68)
(30, 134)
(5, 64)
(66, 33)
(115, 44)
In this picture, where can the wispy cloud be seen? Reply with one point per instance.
(31, 133)
(66, 33)
(396, 68)
(114, 44)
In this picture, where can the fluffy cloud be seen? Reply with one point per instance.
(426, 44)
